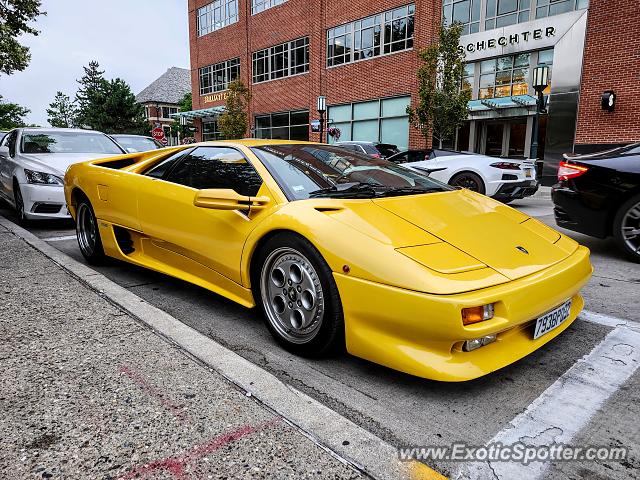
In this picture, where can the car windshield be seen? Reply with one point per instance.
(68, 142)
(139, 144)
(305, 171)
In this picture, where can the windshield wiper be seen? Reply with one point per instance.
(350, 190)
(409, 191)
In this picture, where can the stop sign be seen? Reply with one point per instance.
(158, 133)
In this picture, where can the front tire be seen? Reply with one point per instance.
(87, 233)
(626, 228)
(298, 296)
(19, 201)
(470, 181)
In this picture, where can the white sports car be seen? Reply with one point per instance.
(33, 162)
(502, 179)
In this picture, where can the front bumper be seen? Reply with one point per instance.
(44, 202)
(517, 190)
(422, 334)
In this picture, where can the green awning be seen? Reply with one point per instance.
(205, 112)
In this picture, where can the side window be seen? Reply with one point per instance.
(217, 167)
(11, 143)
(161, 169)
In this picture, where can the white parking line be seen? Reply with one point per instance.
(60, 239)
(569, 403)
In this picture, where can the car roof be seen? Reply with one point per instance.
(57, 130)
(128, 135)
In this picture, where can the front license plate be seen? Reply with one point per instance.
(552, 320)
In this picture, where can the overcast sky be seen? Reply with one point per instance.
(137, 40)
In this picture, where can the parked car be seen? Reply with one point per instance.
(136, 143)
(33, 162)
(2, 135)
(373, 149)
(503, 179)
(599, 195)
(433, 281)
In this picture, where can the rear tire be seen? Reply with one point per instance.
(470, 181)
(625, 226)
(87, 233)
(295, 289)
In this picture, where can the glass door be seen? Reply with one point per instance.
(494, 139)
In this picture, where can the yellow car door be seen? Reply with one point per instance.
(209, 236)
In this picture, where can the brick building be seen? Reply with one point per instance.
(362, 56)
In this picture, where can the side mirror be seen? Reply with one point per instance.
(4, 151)
(227, 199)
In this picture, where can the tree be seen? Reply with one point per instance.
(118, 111)
(14, 18)
(62, 111)
(11, 115)
(442, 103)
(185, 106)
(90, 95)
(233, 123)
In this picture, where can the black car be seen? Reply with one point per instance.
(373, 149)
(599, 195)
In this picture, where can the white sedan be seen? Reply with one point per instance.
(33, 162)
(502, 179)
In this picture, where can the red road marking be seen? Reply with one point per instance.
(144, 384)
(176, 465)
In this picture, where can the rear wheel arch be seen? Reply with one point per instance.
(483, 184)
(613, 212)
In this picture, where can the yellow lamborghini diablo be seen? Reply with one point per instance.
(338, 249)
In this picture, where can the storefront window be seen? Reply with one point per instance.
(285, 60)
(466, 12)
(216, 15)
(216, 78)
(388, 32)
(468, 76)
(382, 120)
(258, 6)
(284, 125)
(210, 131)
(504, 76)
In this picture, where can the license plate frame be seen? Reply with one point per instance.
(552, 320)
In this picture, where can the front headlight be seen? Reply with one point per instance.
(41, 178)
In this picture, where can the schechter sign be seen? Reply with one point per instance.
(505, 40)
(216, 97)
(521, 37)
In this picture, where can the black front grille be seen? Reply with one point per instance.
(49, 208)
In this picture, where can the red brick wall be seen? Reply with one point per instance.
(611, 62)
(385, 76)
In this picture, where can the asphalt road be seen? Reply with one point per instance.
(409, 411)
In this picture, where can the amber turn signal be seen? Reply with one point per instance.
(477, 314)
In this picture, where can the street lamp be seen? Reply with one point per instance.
(540, 83)
(322, 108)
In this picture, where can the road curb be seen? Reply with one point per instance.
(338, 435)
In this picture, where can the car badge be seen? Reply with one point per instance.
(523, 250)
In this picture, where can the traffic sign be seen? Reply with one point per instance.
(164, 141)
(158, 133)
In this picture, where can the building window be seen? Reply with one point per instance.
(546, 8)
(168, 111)
(466, 12)
(216, 15)
(210, 131)
(382, 120)
(258, 6)
(216, 78)
(285, 60)
(468, 76)
(504, 76)
(501, 13)
(546, 57)
(387, 32)
(283, 126)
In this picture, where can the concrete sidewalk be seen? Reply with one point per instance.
(89, 392)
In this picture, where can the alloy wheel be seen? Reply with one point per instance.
(20, 205)
(631, 228)
(467, 181)
(86, 230)
(292, 295)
